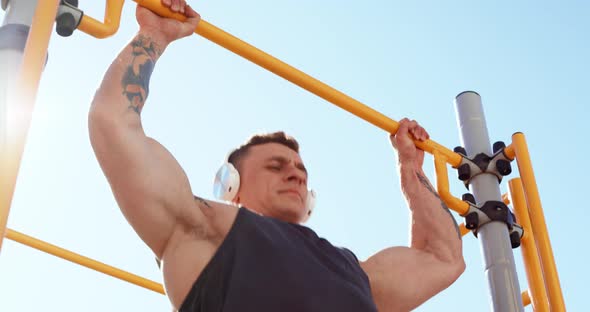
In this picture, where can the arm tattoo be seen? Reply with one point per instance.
(202, 201)
(136, 79)
(426, 184)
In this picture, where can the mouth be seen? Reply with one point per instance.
(292, 193)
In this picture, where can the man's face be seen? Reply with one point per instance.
(273, 182)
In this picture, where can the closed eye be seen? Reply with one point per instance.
(274, 168)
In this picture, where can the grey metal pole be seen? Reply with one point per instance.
(495, 241)
(13, 36)
(19, 11)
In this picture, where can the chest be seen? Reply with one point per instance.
(290, 266)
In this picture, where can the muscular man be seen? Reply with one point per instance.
(253, 255)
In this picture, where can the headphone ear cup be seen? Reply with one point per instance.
(309, 204)
(227, 182)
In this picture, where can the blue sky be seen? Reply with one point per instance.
(527, 59)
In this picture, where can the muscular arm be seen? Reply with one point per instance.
(433, 227)
(149, 185)
(402, 278)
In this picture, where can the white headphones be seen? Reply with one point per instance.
(227, 184)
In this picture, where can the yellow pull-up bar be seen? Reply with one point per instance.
(267, 61)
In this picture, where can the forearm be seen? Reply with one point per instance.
(433, 228)
(125, 86)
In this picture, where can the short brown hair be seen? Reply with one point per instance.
(280, 137)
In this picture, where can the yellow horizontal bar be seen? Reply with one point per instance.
(539, 227)
(111, 23)
(509, 151)
(21, 103)
(84, 261)
(314, 86)
(299, 78)
(528, 246)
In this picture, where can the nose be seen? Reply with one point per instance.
(296, 175)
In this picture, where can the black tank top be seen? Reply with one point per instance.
(267, 265)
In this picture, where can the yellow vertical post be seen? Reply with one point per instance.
(530, 255)
(442, 185)
(21, 102)
(537, 219)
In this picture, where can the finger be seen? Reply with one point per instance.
(421, 133)
(403, 123)
(414, 130)
(416, 133)
(424, 134)
(193, 18)
(190, 13)
(399, 125)
(392, 140)
(182, 6)
(403, 127)
(166, 3)
(402, 132)
(403, 143)
(175, 5)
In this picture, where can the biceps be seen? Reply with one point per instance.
(149, 185)
(403, 278)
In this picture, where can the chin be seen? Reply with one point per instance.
(290, 213)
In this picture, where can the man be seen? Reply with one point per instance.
(254, 256)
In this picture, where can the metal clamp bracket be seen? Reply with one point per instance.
(498, 164)
(490, 211)
(68, 17)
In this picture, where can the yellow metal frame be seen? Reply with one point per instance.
(111, 22)
(532, 264)
(442, 186)
(538, 225)
(83, 261)
(545, 290)
(21, 103)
